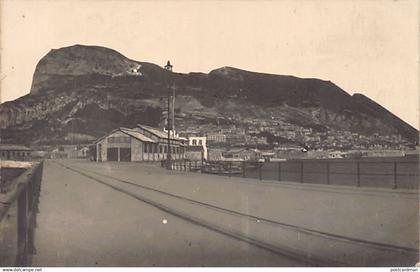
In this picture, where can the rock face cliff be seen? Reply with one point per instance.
(81, 92)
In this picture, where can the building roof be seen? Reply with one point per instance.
(14, 147)
(136, 134)
(132, 132)
(159, 133)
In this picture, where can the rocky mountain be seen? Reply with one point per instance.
(81, 92)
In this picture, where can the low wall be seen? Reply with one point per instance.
(18, 209)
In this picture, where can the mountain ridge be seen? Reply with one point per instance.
(67, 81)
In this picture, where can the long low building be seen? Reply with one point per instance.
(142, 143)
(15, 152)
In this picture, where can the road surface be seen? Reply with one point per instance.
(84, 223)
(130, 214)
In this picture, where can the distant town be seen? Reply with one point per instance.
(253, 140)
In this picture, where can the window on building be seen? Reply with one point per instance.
(194, 142)
(200, 142)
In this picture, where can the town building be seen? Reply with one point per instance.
(15, 152)
(142, 143)
(216, 138)
(336, 155)
(200, 142)
(69, 152)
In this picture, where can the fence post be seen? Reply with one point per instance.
(301, 172)
(189, 165)
(229, 169)
(328, 172)
(358, 173)
(260, 170)
(243, 169)
(22, 227)
(279, 171)
(395, 176)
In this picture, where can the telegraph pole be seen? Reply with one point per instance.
(168, 67)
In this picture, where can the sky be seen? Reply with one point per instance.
(363, 46)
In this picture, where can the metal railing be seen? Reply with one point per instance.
(24, 197)
(395, 173)
(392, 173)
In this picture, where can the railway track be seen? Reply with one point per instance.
(300, 255)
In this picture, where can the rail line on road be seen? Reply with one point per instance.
(233, 234)
(196, 221)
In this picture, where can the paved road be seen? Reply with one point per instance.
(85, 221)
